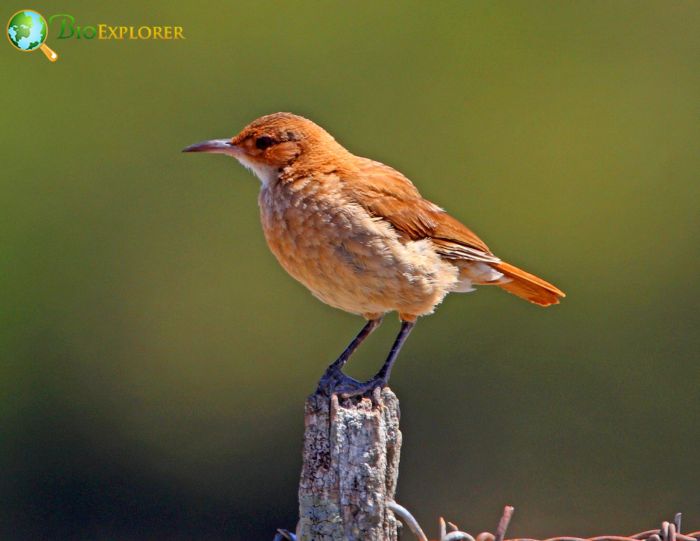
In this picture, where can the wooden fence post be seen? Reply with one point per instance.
(350, 468)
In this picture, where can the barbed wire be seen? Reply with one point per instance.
(669, 531)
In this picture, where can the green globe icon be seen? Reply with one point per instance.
(27, 31)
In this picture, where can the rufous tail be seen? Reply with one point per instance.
(528, 286)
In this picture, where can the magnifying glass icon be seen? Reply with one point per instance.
(27, 31)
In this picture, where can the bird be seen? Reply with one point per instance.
(360, 236)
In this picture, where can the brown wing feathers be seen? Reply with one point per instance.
(387, 194)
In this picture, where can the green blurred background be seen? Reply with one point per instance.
(155, 358)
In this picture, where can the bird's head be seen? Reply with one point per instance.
(272, 142)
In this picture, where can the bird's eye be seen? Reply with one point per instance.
(263, 142)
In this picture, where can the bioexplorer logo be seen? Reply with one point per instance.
(27, 31)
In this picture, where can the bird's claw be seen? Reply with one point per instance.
(365, 388)
(334, 381)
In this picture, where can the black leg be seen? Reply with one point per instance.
(382, 377)
(368, 329)
(385, 371)
(333, 377)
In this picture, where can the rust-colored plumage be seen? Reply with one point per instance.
(359, 234)
(528, 286)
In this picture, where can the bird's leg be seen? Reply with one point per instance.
(385, 371)
(334, 378)
(382, 377)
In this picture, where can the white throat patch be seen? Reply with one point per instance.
(266, 173)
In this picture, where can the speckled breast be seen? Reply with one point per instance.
(348, 259)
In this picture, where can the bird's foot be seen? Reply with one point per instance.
(334, 381)
(365, 387)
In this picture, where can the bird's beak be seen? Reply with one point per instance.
(215, 146)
